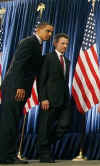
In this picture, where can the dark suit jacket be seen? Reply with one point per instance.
(53, 85)
(24, 68)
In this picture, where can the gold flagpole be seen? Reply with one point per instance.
(2, 11)
(93, 3)
(81, 156)
(21, 141)
(40, 8)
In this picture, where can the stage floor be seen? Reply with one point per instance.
(62, 163)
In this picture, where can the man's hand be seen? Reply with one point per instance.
(45, 105)
(20, 95)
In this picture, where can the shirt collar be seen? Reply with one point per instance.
(58, 53)
(39, 39)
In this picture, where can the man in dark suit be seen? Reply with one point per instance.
(16, 88)
(54, 98)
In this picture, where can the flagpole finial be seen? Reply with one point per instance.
(93, 3)
(41, 8)
(2, 11)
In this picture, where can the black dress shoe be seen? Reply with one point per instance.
(47, 160)
(6, 162)
(51, 161)
(13, 161)
(18, 161)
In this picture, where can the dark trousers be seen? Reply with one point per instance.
(52, 125)
(9, 124)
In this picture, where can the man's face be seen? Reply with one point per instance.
(46, 32)
(61, 44)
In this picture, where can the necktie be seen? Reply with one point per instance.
(62, 61)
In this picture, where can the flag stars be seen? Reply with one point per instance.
(89, 34)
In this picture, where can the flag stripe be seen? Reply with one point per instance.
(88, 67)
(28, 103)
(94, 60)
(94, 53)
(33, 100)
(86, 89)
(87, 79)
(78, 97)
(93, 72)
(84, 96)
(77, 100)
(34, 96)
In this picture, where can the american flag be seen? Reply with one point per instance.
(86, 80)
(33, 100)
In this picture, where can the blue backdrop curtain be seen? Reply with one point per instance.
(69, 17)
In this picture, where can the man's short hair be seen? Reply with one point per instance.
(59, 35)
(43, 24)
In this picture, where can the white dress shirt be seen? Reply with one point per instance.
(39, 39)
